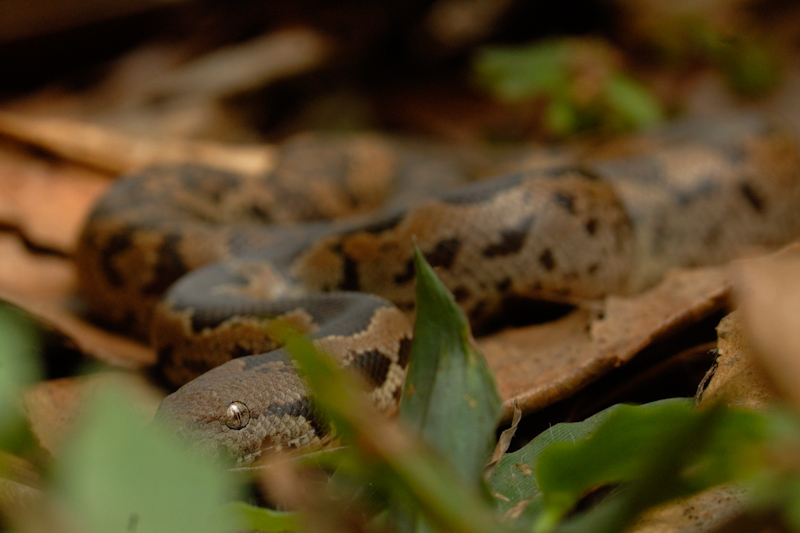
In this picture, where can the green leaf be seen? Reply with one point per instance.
(514, 74)
(451, 396)
(513, 482)
(660, 451)
(117, 474)
(631, 103)
(561, 117)
(578, 81)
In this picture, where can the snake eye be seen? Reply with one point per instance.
(237, 415)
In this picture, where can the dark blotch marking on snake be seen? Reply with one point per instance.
(547, 260)
(565, 200)
(407, 274)
(350, 279)
(213, 184)
(591, 226)
(168, 268)
(302, 407)
(259, 213)
(461, 294)
(477, 312)
(373, 365)
(118, 243)
(239, 351)
(404, 354)
(752, 196)
(444, 253)
(503, 285)
(166, 356)
(511, 240)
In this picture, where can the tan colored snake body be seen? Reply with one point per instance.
(686, 196)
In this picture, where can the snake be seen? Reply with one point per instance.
(202, 261)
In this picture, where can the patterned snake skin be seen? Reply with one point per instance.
(203, 259)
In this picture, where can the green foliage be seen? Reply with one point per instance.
(514, 482)
(651, 453)
(578, 81)
(448, 380)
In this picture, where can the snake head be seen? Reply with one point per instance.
(242, 408)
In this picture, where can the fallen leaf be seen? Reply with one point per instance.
(539, 365)
(46, 202)
(113, 151)
(711, 510)
(738, 379)
(768, 291)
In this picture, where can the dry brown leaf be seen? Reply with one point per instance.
(538, 365)
(738, 380)
(768, 290)
(32, 275)
(46, 202)
(116, 152)
(712, 510)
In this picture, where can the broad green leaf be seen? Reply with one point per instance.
(118, 474)
(659, 451)
(451, 397)
(656, 452)
(513, 483)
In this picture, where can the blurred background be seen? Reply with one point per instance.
(457, 70)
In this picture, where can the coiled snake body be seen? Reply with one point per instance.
(186, 252)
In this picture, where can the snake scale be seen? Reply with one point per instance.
(203, 259)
